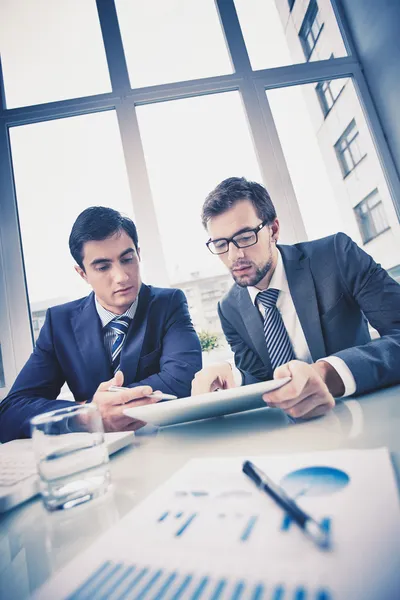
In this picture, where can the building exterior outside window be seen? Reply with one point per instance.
(2, 382)
(203, 294)
(348, 149)
(371, 217)
(310, 29)
(344, 141)
(328, 92)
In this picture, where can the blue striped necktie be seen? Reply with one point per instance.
(279, 346)
(120, 327)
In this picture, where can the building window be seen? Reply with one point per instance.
(394, 272)
(328, 92)
(291, 4)
(348, 149)
(310, 29)
(371, 217)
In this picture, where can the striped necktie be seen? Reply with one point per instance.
(120, 327)
(279, 346)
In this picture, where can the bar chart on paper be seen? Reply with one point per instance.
(118, 581)
(181, 521)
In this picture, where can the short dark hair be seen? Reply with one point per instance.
(98, 223)
(234, 189)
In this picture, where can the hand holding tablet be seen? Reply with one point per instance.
(204, 406)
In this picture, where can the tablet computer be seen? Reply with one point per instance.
(204, 406)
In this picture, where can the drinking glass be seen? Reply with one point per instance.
(71, 455)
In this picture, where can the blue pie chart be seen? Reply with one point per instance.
(315, 481)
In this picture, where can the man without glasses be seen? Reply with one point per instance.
(300, 311)
(124, 332)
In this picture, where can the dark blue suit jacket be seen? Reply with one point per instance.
(336, 287)
(161, 350)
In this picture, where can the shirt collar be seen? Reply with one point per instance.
(106, 316)
(278, 280)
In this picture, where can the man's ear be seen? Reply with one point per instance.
(138, 252)
(275, 227)
(81, 272)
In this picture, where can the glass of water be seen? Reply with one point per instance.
(71, 455)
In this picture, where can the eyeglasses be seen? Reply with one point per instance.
(240, 240)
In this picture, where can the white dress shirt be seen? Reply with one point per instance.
(106, 316)
(293, 326)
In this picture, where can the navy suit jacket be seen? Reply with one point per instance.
(336, 287)
(161, 350)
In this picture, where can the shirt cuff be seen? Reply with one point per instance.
(344, 373)
(237, 375)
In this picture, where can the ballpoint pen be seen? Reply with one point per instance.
(309, 525)
(116, 388)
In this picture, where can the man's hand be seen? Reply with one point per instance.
(309, 393)
(212, 378)
(111, 404)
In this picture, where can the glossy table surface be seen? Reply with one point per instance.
(35, 543)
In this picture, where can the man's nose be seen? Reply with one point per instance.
(120, 275)
(234, 253)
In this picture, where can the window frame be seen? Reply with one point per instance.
(343, 148)
(321, 94)
(369, 215)
(307, 29)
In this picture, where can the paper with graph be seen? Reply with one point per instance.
(208, 533)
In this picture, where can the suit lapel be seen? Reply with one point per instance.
(254, 325)
(132, 348)
(90, 341)
(304, 297)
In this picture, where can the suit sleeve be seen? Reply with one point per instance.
(35, 390)
(375, 364)
(181, 351)
(246, 360)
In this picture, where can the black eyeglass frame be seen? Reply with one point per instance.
(232, 239)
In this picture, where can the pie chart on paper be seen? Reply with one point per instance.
(314, 481)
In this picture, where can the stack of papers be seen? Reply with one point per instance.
(209, 533)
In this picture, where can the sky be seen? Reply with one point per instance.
(52, 49)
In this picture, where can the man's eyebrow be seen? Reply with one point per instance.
(127, 251)
(235, 234)
(97, 261)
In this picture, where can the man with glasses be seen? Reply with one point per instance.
(300, 311)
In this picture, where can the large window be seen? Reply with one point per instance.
(311, 29)
(348, 149)
(62, 167)
(164, 41)
(51, 50)
(191, 145)
(328, 202)
(145, 106)
(371, 217)
(271, 29)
